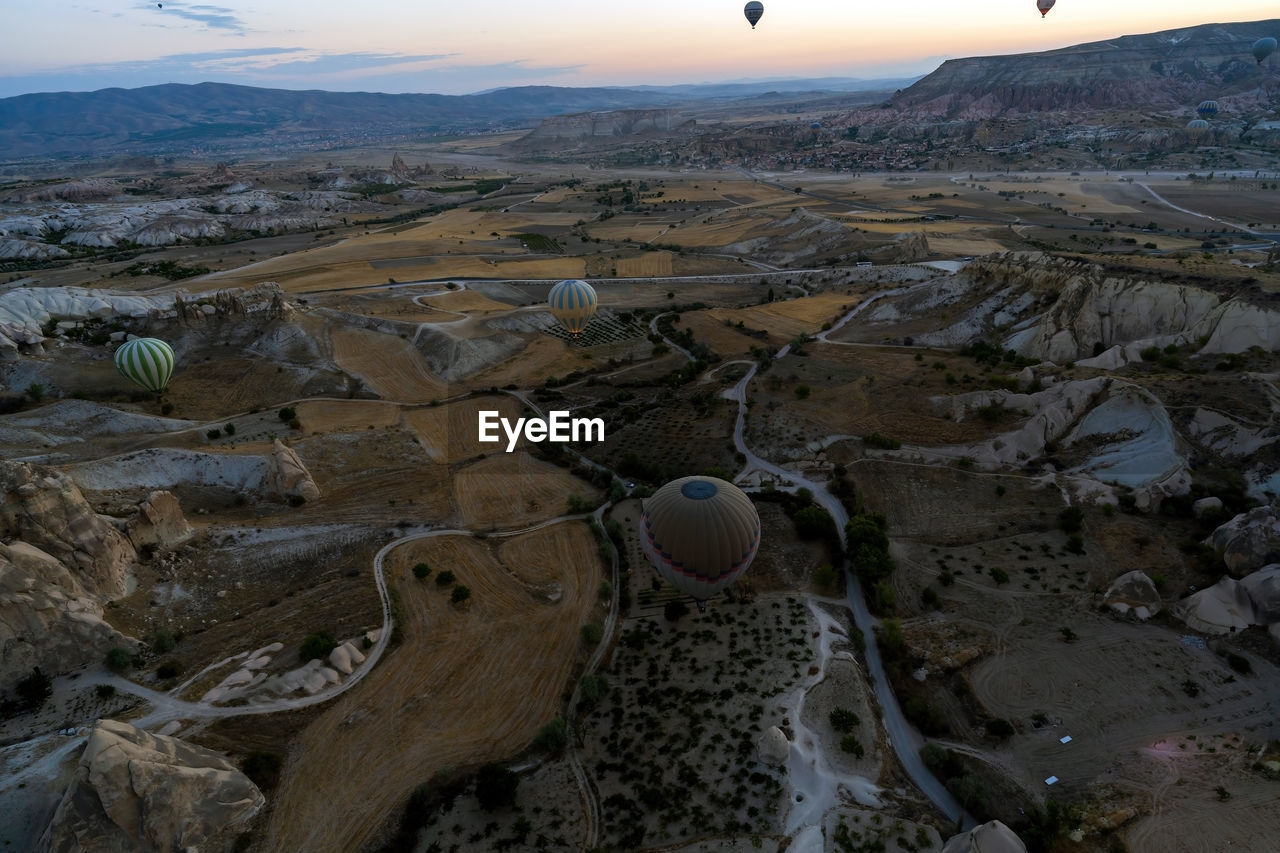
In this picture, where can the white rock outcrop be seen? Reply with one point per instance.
(135, 792)
(991, 837)
(1232, 605)
(773, 747)
(288, 477)
(1133, 592)
(159, 522)
(1249, 541)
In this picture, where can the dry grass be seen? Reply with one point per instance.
(467, 685)
(332, 416)
(512, 490)
(448, 433)
(648, 264)
(465, 301)
(389, 365)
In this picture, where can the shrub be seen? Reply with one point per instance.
(33, 689)
(445, 578)
(317, 646)
(929, 596)
(843, 720)
(825, 577)
(214, 433)
(460, 594)
(593, 687)
(802, 392)
(169, 669)
(1239, 663)
(35, 391)
(162, 641)
(1000, 576)
(850, 743)
(287, 414)
(104, 691)
(999, 728)
(590, 633)
(421, 571)
(496, 787)
(118, 659)
(552, 737)
(1075, 543)
(675, 609)
(229, 429)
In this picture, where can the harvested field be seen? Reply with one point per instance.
(389, 365)
(647, 264)
(512, 490)
(449, 432)
(327, 416)
(466, 684)
(465, 301)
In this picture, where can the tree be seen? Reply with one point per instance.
(590, 633)
(998, 728)
(593, 687)
(825, 577)
(445, 578)
(553, 737)
(34, 689)
(163, 641)
(843, 720)
(802, 391)
(317, 646)
(118, 659)
(1070, 519)
(287, 414)
(460, 594)
(421, 571)
(496, 787)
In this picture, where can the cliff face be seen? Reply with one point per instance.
(614, 126)
(1167, 69)
(136, 792)
(46, 617)
(45, 508)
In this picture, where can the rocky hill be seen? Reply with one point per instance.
(1163, 70)
(584, 130)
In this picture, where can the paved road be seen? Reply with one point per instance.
(905, 739)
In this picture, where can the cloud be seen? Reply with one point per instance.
(213, 17)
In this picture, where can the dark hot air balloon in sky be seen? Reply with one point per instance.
(1263, 47)
(754, 11)
(1044, 6)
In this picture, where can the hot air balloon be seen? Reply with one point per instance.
(1207, 109)
(700, 533)
(1263, 47)
(147, 361)
(755, 10)
(1044, 6)
(1196, 128)
(573, 302)
(815, 128)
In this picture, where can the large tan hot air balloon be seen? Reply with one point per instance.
(573, 303)
(700, 533)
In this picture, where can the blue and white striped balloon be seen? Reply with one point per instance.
(573, 303)
(147, 361)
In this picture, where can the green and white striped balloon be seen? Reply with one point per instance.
(147, 361)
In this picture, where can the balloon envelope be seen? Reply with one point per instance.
(1207, 109)
(700, 533)
(1044, 6)
(1263, 47)
(573, 302)
(147, 361)
(1197, 127)
(754, 11)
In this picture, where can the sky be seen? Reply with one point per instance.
(464, 46)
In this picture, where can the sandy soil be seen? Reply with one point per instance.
(465, 685)
(511, 490)
(388, 365)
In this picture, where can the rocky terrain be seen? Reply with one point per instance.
(597, 129)
(135, 791)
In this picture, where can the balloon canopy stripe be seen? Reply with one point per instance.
(573, 303)
(146, 361)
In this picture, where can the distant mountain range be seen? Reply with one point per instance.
(178, 117)
(1168, 69)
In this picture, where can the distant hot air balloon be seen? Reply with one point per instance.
(1197, 127)
(147, 361)
(755, 10)
(815, 128)
(700, 533)
(1207, 109)
(573, 302)
(1044, 6)
(1263, 47)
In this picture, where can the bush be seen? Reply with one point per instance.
(1239, 663)
(999, 729)
(162, 641)
(553, 737)
(317, 646)
(460, 594)
(675, 609)
(593, 687)
(229, 429)
(104, 691)
(802, 392)
(850, 743)
(1000, 576)
(445, 578)
(287, 414)
(169, 669)
(34, 689)
(421, 571)
(1070, 519)
(1075, 543)
(214, 433)
(590, 633)
(825, 577)
(118, 659)
(496, 787)
(929, 597)
(35, 391)
(813, 522)
(843, 720)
